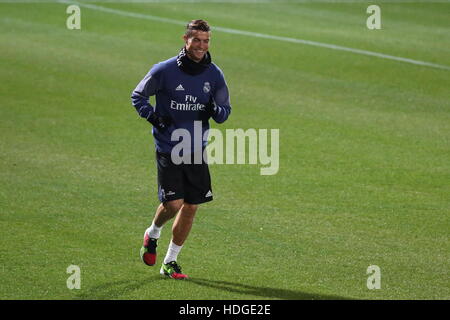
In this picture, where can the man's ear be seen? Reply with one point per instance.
(185, 38)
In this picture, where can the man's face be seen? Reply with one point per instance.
(197, 44)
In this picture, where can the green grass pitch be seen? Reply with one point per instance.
(364, 153)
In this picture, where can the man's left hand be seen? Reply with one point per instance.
(210, 109)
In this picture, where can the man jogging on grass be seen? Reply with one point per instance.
(189, 90)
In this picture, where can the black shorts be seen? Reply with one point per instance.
(191, 182)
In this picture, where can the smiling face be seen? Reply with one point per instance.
(197, 44)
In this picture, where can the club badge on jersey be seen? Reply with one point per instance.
(206, 87)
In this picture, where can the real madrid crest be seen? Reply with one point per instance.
(206, 87)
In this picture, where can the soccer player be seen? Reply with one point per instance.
(189, 90)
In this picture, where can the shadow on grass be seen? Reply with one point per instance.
(277, 293)
(115, 290)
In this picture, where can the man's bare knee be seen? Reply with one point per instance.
(172, 207)
(189, 209)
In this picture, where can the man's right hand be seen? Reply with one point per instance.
(160, 122)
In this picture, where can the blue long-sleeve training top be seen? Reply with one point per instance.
(182, 97)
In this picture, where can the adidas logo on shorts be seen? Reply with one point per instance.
(209, 194)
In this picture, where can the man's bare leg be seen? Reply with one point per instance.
(183, 223)
(164, 213)
(180, 231)
(167, 211)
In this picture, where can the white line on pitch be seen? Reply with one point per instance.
(235, 1)
(262, 35)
